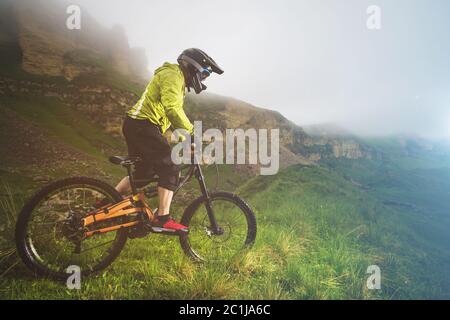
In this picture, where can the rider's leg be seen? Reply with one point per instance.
(165, 199)
(124, 187)
(148, 142)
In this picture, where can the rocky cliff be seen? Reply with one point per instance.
(330, 141)
(223, 112)
(48, 47)
(104, 105)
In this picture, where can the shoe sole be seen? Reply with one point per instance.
(170, 232)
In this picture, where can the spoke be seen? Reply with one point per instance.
(99, 245)
(54, 261)
(236, 216)
(32, 236)
(68, 199)
(234, 223)
(49, 223)
(84, 197)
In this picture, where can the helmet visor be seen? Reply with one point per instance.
(205, 73)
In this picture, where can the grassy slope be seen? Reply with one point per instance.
(415, 188)
(60, 123)
(317, 235)
(343, 214)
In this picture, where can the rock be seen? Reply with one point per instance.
(45, 42)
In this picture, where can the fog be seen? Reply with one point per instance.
(313, 61)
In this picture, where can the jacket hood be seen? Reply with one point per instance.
(169, 66)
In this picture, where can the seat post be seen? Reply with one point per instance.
(130, 176)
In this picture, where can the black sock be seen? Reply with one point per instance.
(164, 218)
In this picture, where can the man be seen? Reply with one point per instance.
(161, 106)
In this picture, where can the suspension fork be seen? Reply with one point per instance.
(212, 219)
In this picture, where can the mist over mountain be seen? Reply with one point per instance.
(37, 30)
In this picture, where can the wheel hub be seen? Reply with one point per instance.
(72, 228)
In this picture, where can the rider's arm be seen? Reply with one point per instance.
(172, 98)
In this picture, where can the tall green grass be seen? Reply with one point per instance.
(317, 234)
(9, 208)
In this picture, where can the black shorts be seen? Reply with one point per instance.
(145, 140)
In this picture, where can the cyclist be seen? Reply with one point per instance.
(160, 107)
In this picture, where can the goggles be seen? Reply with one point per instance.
(205, 73)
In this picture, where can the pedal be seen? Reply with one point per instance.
(138, 232)
(169, 232)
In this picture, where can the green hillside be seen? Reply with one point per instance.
(317, 235)
(42, 137)
(346, 215)
(413, 183)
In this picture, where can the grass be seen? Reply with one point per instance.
(90, 145)
(9, 209)
(413, 186)
(62, 122)
(314, 242)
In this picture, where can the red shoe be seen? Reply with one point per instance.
(170, 224)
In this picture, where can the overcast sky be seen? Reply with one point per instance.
(314, 61)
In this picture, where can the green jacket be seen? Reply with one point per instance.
(162, 101)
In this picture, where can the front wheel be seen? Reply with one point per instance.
(235, 219)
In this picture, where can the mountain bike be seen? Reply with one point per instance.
(61, 225)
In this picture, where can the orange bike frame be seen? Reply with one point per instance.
(123, 208)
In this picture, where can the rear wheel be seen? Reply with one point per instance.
(48, 239)
(235, 219)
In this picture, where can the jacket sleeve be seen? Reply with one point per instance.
(172, 99)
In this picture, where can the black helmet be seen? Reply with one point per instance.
(198, 66)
